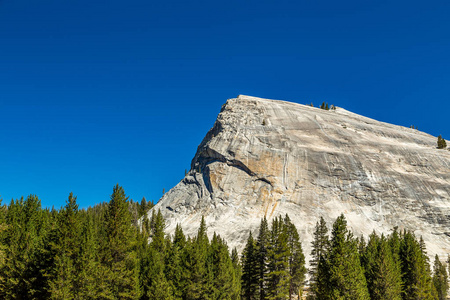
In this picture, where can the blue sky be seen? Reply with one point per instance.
(94, 93)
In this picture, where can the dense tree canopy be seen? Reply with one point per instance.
(109, 252)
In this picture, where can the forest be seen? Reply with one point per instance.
(108, 252)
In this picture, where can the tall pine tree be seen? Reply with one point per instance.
(346, 278)
(262, 246)
(440, 279)
(383, 278)
(250, 270)
(63, 280)
(296, 259)
(416, 277)
(318, 270)
(119, 252)
(278, 261)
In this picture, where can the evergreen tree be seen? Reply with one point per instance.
(119, 254)
(441, 143)
(383, 278)
(278, 254)
(3, 227)
(224, 281)
(158, 233)
(238, 274)
(346, 278)
(440, 279)
(448, 263)
(174, 271)
(88, 279)
(394, 243)
(262, 246)
(62, 281)
(199, 282)
(27, 227)
(174, 263)
(159, 286)
(144, 206)
(417, 283)
(250, 270)
(318, 269)
(296, 259)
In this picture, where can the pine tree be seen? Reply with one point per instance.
(346, 278)
(199, 282)
(158, 233)
(3, 227)
(224, 280)
(177, 272)
(278, 256)
(119, 255)
(441, 143)
(296, 259)
(238, 274)
(262, 246)
(383, 278)
(320, 247)
(440, 278)
(27, 227)
(158, 285)
(416, 277)
(174, 270)
(448, 263)
(88, 278)
(62, 283)
(250, 270)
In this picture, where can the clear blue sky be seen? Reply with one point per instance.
(94, 93)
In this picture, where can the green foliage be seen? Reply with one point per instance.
(278, 255)
(64, 248)
(274, 265)
(318, 271)
(99, 253)
(225, 284)
(24, 235)
(262, 246)
(296, 259)
(440, 279)
(199, 279)
(416, 276)
(118, 253)
(326, 107)
(441, 143)
(346, 277)
(383, 276)
(250, 270)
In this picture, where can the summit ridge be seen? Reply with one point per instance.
(269, 157)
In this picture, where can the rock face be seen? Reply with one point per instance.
(268, 157)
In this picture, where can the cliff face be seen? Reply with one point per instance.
(267, 157)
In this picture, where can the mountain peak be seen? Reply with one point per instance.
(270, 157)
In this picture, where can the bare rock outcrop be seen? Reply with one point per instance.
(268, 157)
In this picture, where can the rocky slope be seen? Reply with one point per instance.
(267, 157)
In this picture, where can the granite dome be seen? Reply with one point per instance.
(269, 157)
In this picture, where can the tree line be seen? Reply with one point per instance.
(105, 252)
(393, 267)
